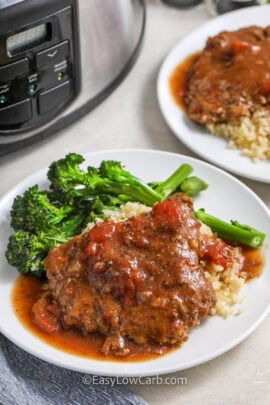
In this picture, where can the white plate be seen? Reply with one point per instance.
(224, 198)
(195, 136)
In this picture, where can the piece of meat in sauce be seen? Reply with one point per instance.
(140, 280)
(231, 77)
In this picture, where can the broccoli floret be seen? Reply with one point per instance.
(39, 227)
(113, 176)
(71, 184)
(65, 176)
(27, 252)
(33, 212)
(99, 205)
(66, 172)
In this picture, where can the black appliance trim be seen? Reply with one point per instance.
(86, 108)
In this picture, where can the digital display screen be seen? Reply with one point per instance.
(27, 39)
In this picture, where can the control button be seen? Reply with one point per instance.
(16, 113)
(10, 71)
(53, 54)
(3, 99)
(59, 75)
(52, 98)
(31, 88)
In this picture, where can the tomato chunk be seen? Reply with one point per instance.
(167, 212)
(265, 88)
(215, 252)
(102, 232)
(196, 109)
(242, 46)
(91, 249)
(44, 318)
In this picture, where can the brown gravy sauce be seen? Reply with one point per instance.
(178, 79)
(28, 290)
(253, 264)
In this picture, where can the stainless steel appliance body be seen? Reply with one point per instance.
(59, 59)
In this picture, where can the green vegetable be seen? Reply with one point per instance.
(66, 176)
(101, 203)
(70, 183)
(40, 226)
(233, 231)
(193, 186)
(33, 212)
(171, 184)
(179, 181)
(27, 252)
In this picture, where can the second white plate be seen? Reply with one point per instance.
(194, 136)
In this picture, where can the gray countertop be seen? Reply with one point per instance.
(130, 118)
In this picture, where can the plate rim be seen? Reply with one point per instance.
(161, 370)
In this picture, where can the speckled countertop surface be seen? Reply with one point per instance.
(130, 118)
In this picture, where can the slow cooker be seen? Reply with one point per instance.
(59, 59)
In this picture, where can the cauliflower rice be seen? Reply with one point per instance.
(250, 134)
(227, 283)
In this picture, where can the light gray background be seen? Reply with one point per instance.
(130, 118)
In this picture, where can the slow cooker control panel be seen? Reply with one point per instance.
(39, 70)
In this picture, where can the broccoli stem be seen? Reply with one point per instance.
(141, 193)
(192, 186)
(72, 226)
(168, 186)
(70, 184)
(63, 213)
(232, 231)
